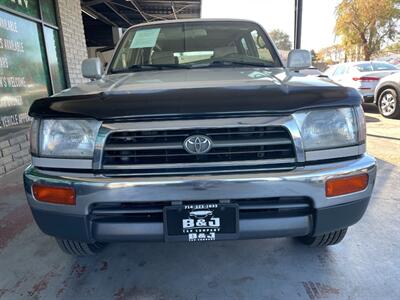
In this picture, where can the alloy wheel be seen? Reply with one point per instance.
(388, 104)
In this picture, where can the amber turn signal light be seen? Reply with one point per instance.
(346, 185)
(53, 194)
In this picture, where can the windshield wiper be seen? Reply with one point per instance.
(149, 67)
(213, 64)
(228, 63)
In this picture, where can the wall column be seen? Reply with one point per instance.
(72, 39)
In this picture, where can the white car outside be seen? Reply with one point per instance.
(363, 75)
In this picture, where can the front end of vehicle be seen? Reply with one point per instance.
(304, 174)
(196, 133)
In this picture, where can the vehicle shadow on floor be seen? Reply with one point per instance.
(370, 119)
(253, 269)
(370, 108)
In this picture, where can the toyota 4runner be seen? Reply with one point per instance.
(196, 131)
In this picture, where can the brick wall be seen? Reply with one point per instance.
(73, 38)
(14, 151)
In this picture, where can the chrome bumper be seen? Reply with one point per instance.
(308, 181)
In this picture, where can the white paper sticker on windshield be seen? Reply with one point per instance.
(145, 38)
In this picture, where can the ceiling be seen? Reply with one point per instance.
(99, 16)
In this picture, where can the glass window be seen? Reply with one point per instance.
(45, 65)
(340, 70)
(365, 67)
(23, 77)
(29, 7)
(29, 53)
(383, 66)
(55, 60)
(48, 11)
(244, 45)
(193, 56)
(204, 42)
(262, 51)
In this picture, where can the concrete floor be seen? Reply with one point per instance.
(366, 265)
(383, 136)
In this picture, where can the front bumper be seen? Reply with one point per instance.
(325, 214)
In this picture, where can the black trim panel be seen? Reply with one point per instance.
(82, 228)
(339, 216)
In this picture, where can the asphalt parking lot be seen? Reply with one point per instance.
(364, 266)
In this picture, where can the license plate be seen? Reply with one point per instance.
(201, 222)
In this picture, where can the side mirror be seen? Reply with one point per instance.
(299, 59)
(91, 68)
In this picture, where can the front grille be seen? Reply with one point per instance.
(163, 150)
(248, 209)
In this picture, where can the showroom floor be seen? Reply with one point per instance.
(364, 266)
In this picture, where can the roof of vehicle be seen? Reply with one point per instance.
(371, 61)
(192, 20)
(353, 63)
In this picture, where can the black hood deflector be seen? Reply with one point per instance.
(192, 102)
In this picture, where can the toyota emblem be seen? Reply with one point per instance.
(197, 144)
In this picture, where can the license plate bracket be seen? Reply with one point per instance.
(201, 222)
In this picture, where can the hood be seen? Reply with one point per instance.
(221, 91)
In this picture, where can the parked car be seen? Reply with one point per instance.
(198, 115)
(363, 76)
(387, 96)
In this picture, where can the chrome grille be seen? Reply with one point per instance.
(162, 150)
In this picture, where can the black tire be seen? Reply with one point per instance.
(324, 240)
(391, 110)
(79, 248)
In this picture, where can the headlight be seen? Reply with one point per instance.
(328, 128)
(68, 138)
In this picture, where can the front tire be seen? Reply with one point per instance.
(389, 104)
(324, 240)
(79, 248)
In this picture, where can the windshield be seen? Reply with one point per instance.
(194, 44)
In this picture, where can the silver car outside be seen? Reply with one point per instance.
(363, 75)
